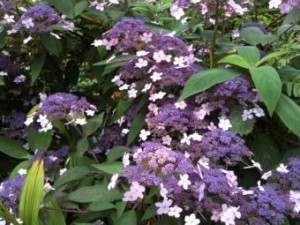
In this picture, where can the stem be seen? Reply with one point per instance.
(68, 210)
(215, 34)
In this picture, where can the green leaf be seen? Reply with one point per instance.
(270, 56)
(52, 44)
(120, 207)
(266, 152)
(268, 84)
(122, 108)
(37, 65)
(235, 60)
(238, 125)
(116, 60)
(66, 7)
(100, 206)
(109, 167)
(93, 124)
(82, 146)
(127, 218)
(80, 7)
(54, 214)
(94, 193)
(254, 36)
(136, 126)
(21, 165)
(116, 153)
(289, 113)
(13, 148)
(251, 54)
(149, 213)
(205, 80)
(5, 214)
(40, 141)
(73, 174)
(32, 194)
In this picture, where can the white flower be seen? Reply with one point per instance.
(142, 53)
(117, 80)
(141, 63)
(22, 171)
(125, 131)
(224, 124)
(90, 112)
(163, 191)
(179, 61)
(184, 181)
(2, 73)
(27, 22)
(266, 175)
(136, 191)
(260, 187)
(254, 165)
(195, 137)
(180, 105)
(9, 18)
(124, 87)
(113, 182)
(164, 206)
(176, 12)
(247, 115)
(275, 4)
(229, 214)
(125, 160)
(146, 37)
(132, 93)
(80, 121)
(62, 171)
(258, 112)
(156, 76)
(295, 198)
(185, 139)
(144, 134)
(48, 187)
(175, 211)
(282, 168)
(147, 87)
(201, 192)
(204, 161)
(191, 220)
(231, 178)
(166, 140)
(156, 96)
(161, 56)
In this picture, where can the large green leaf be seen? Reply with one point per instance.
(100, 206)
(116, 153)
(52, 44)
(12, 148)
(268, 84)
(93, 124)
(271, 56)
(37, 65)
(254, 36)
(52, 214)
(94, 193)
(206, 79)
(66, 7)
(289, 113)
(32, 194)
(235, 60)
(251, 54)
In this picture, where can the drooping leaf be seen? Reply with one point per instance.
(289, 113)
(100, 206)
(80, 7)
(37, 65)
(93, 124)
(268, 84)
(206, 79)
(32, 194)
(73, 174)
(82, 146)
(37, 140)
(271, 56)
(12, 148)
(52, 213)
(52, 44)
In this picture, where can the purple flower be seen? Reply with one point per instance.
(5, 6)
(39, 19)
(10, 191)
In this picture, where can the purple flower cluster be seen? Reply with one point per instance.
(5, 6)
(186, 148)
(285, 6)
(10, 191)
(39, 19)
